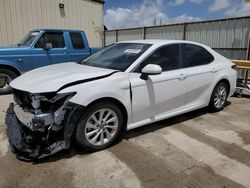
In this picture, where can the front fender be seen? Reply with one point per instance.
(116, 86)
(13, 65)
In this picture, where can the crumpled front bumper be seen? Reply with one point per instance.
(31, 145)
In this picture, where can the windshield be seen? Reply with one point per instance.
(117, 56)
(29, 38)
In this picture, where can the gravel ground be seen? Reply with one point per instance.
(198, 149)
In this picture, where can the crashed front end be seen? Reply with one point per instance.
(40, 125)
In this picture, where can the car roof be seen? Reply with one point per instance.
(160, 42)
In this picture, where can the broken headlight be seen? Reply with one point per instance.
(42, 110)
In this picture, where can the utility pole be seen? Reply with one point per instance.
(161, 21)
(155, 20)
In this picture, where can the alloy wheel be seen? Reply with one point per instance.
(220, 96)
(101, 126)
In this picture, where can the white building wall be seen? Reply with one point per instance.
(18, 17)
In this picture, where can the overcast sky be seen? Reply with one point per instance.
(137, 13)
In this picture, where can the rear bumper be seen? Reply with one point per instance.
(232, 80)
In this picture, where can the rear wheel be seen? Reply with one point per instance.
(6, 76)
(100, 126)
(219, 97)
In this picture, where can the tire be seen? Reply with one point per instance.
(91, 133)
(219, 97)
(6, 76)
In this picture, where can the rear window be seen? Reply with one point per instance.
(194, 55)
(77, 40)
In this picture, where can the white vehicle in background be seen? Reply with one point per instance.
(124, 86)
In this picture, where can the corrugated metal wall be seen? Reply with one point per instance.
(165, 32)
(130, 34)
(228, 36)
(17, 17)
(110, 37)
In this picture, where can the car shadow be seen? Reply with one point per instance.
(74, 150)
(168, 122)
(164, 123)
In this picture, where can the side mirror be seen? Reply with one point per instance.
(48, 46)
(150, 69)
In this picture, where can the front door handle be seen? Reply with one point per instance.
(19, 60)
(66, 51)
(182, 76)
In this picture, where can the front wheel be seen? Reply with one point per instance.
(6, 76)
(219, 97)
(100, 126)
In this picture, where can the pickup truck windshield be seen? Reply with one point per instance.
(29, 38)
(117, 56)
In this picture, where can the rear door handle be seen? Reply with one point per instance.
(182, 76)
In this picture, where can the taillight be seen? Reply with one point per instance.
(234, 67)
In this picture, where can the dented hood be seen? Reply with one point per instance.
(52, 78)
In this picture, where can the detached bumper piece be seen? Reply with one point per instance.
(31, 145)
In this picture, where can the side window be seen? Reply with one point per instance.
(77, 41)
(168, 57)
(56, 39)
(194, 55)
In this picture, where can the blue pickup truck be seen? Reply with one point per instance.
(39, 48)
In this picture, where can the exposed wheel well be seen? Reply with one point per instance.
(118, 103)
(13, 69)
(225, 81)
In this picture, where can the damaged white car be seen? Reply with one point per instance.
(124, 86)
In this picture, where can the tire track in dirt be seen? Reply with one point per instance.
(101, 169)
(15, 173)
(221, 164)
(161, 164)
(230, 150)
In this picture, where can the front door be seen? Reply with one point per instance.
(57, 54)
(159, 95)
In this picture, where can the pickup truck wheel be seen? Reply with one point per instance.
(6, 76)
(100, 126)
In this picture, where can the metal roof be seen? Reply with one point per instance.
(99, 1)
(58, 30)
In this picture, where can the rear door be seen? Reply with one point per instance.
(78, 46)
(58, 54)
(198, 63)
(160, 94)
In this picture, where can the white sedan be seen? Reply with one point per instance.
(124, 86)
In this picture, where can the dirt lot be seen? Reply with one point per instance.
(198, 149)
